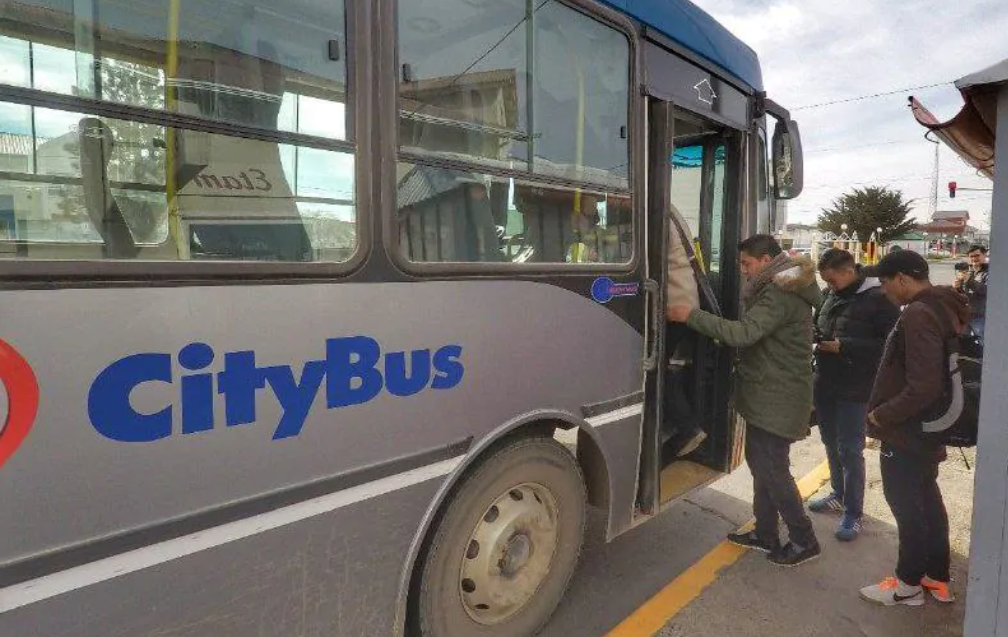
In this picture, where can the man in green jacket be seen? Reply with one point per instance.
(774, 387)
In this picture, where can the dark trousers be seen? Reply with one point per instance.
(910, 483)
(775, 491)
(842, 427)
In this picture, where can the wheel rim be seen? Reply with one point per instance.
(509, 553)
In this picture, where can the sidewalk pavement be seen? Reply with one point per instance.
(755, 599)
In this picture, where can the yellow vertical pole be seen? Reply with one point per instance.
(171, 104)
(579, 246)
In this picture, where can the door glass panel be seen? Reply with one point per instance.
(717, 210)
(699, 186)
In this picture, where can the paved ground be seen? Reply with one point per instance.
(821, 599)
(751, 597)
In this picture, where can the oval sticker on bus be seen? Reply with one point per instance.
(605, 289)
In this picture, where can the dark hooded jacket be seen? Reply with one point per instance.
(860, 317)
(911, 375)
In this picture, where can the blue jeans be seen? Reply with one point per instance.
(978, 324)
(842, 427)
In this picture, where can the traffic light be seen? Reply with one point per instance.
(952, 189)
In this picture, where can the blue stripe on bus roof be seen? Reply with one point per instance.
(690, 26)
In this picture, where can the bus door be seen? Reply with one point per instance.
(695, 170)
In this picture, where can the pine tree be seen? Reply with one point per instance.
(865, 209)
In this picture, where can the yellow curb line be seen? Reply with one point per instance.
(657, 611)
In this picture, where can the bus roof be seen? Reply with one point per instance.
(691, 27)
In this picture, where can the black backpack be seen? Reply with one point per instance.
(953, 419)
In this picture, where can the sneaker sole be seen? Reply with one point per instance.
(761, 549)
(843, 537)
(941, 600)
(827, 510)
(805, 561)
(916, 601)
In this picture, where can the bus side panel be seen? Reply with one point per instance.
(163, 408)
(323, 576)
(621, 440)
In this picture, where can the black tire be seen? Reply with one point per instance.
(516, 468)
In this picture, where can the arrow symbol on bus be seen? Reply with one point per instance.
(705, 92)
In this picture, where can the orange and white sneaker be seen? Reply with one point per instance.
(939, 590)
(892, 591)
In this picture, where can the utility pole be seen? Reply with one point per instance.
(933, 205)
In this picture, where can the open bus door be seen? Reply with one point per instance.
(695, 186)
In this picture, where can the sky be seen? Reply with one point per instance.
(820, 51)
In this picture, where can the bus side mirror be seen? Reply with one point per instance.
(788, 162)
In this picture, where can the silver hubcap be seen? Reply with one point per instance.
(509, 553)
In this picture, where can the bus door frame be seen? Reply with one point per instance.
(660, 120)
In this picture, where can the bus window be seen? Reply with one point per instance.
(84, 187)
(455, 216)
(470, 92)
(717, 209)
(699, 169)
(267, 65)
(687, 185)
(76, 186)
(582, 97)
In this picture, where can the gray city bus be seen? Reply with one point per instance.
(332, 318)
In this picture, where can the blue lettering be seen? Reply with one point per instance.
(238, 383)
(109, 399)
(354, 370)
(449, 367)
(197, 389)
(348, 360)
(396, 380)
(295, 398)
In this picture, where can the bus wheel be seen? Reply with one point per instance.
(504, 549)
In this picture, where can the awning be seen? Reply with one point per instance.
(971, 132)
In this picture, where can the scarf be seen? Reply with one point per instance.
(755, 285)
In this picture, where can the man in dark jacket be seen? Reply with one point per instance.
(773, 387)
(851, 328)
(973, 282)
(910, 377)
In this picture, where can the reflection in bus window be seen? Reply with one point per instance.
(74, 186)
(698, 192)
(266, 65)
(457, 217)
(469, 89)
(86, 187)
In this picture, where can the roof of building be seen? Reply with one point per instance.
(691, 27)
(971, 132)
(951, 214)
(946, 225)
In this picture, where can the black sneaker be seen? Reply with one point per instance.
(792, 555)
(752, 541)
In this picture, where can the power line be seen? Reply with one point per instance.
(854, 147)
(870, 96)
